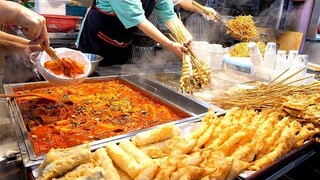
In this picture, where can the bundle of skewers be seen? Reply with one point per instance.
(269, 95)
(299, 102)
(195, 72)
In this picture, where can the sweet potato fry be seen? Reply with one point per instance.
(205, 136)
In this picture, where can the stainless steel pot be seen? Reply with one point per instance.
(95, 60)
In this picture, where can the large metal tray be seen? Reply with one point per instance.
(274, 170)
(162, 94)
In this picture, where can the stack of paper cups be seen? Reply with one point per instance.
(270, 55)
(281, 62)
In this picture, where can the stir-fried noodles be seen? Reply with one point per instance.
(242, 50)
(242, 28)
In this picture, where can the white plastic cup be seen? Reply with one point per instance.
(270, 55)
(293, 54)
(255, 54)
(300, 62)
(281, 62)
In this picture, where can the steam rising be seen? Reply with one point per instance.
(162, 61)
(271, 17)
(18, 69)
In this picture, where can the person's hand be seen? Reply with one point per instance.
(33, 26)
(19, 48)
(178, 49)
(188, 42)
(213, 16)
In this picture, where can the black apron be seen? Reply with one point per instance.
(104, 34)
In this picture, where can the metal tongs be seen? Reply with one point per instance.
(66, 70)
(218, 17)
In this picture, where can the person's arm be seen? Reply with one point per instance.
(10, 43)
(31, 24)
(149, 29)
(174, 23)
(187, 5)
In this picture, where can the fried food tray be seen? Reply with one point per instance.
(161, 94)
(282, 165)
(275, 170)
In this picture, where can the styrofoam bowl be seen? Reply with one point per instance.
(61, 79)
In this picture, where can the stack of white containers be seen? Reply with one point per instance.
(276, 62)
(211, 54)
(56, 7)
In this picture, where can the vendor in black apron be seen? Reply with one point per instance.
(109, 26)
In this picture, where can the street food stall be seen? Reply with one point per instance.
(217, 113)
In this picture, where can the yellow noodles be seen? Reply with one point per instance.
(242, 28)
(242, 50)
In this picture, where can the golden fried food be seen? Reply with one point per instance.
(64, 163)
(243, 28)
(125, 161)
(101, 158)
(241, 49)
(136, 153)
(155, 135)
(244, 139)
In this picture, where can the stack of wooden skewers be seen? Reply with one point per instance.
(267, 96)
(195, 72)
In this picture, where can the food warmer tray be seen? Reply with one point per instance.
(274, 170)
(282, 165)
(162, 94)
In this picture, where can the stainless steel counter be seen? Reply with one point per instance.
(11, 166)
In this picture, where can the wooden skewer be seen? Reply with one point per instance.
(53, 55)
(57, 60)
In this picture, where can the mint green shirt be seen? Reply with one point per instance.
(131, 13)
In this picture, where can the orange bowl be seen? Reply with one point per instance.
(60, 23)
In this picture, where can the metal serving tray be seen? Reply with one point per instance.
(168, 97)
(274, 170)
